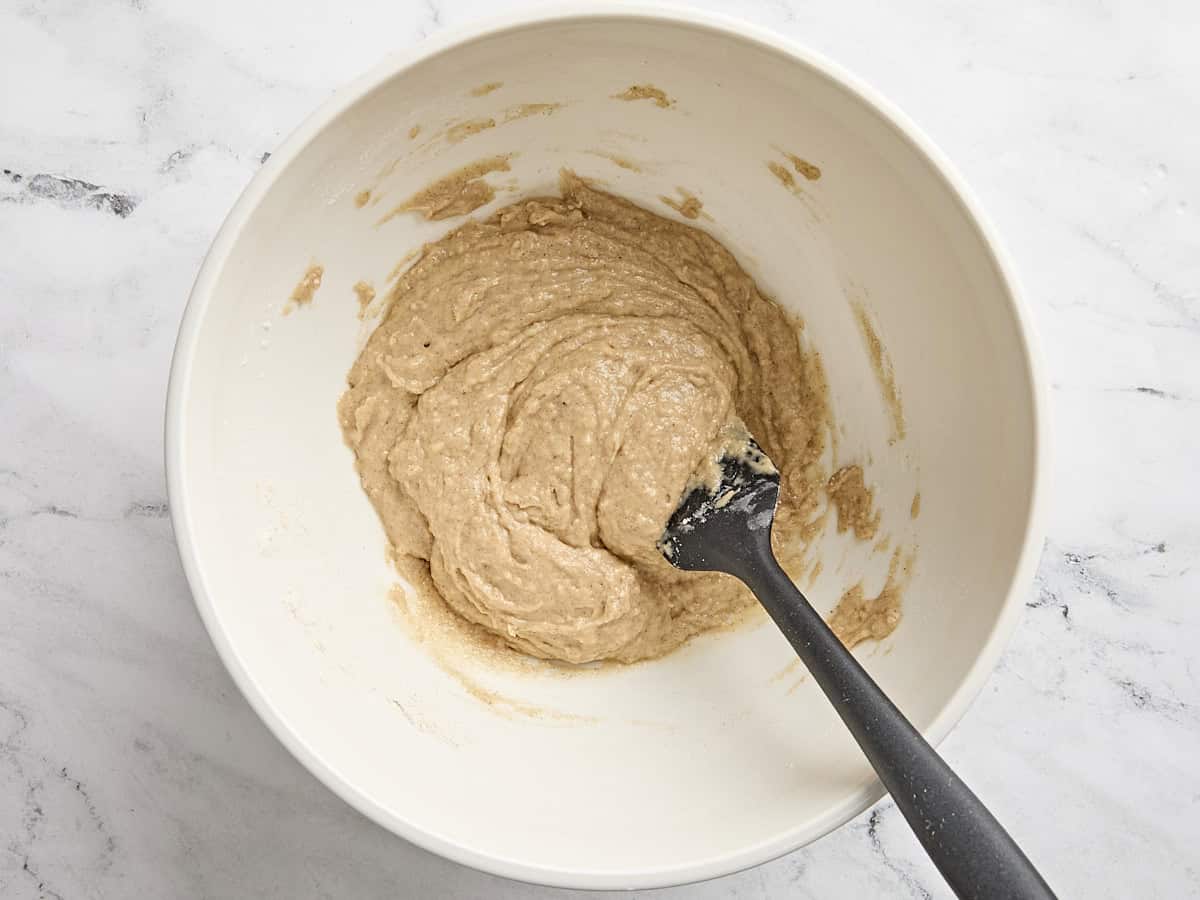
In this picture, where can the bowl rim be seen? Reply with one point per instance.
(397, 63)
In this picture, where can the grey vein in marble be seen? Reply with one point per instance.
(67, 192)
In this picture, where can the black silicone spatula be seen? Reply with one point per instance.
(726, 527)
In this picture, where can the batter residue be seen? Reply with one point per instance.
(884, 373)
(803, 166)
(463, 130)
(305, 289)
(859, 618)
(786, 178)
(646, 92)
(854, 502)
(485, 89)
(543, 385)
(617, 160)
(690, 206)
(525, 110)
(365, 293)
(456, 194)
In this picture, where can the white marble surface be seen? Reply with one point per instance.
(129, 764)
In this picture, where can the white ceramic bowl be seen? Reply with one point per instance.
(709, 760)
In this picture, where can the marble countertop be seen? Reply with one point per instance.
(129, 763)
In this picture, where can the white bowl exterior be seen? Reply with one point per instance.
(705, 761)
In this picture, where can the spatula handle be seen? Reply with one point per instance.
(971, 849)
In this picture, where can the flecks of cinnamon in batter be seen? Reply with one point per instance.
(305, 289)
(542, 386)
(803, 166)
(646, 92)
(690, 206)
(463, 130)
(859, 618)
(365, 293)
(885, 375)
(525, 110)
(915, 509)
(456, 194)
(854, 502)
(485, 89)
(362, 198)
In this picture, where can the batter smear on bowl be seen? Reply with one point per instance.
(527, 414)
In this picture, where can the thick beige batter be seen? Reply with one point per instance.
(526, 416)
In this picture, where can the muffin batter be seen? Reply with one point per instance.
(528, 413)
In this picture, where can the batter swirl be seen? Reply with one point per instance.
(527, 414)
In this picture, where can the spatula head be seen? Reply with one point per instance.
(726, 511)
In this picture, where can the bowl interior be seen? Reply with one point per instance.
(721, 754)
